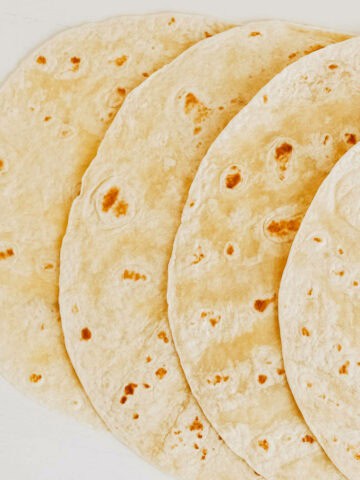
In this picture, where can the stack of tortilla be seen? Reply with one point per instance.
(154, 172)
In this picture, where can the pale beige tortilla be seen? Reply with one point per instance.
(319, 313)
(119, 239)
(243, 209)
(54, 111)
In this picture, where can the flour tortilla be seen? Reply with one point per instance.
(118, 243)
(54, 111)
(319, 305)
(243, 210)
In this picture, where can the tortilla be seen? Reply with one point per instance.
(319, 304)
(119, 238)
(243, 210)
(55, 109)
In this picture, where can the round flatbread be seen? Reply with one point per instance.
(243, 210)
(54, 111)
(319, 312)
(119, 239)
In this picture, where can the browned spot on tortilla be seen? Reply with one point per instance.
(86, 334)
(308, 439)
(130, 389)
(213, 321)
(196, 446)
(136, 416)
(333, 66)
(254, 34)
(355, 283)
(262, 379)
(120, 208)
(146, 385)
(305, 332)
(310, 292)
(163, 337)
(123, 400)
(326, 139)
(121, 91)
(344, 369)
(280, 371)
(328, 89)
(204, 453)
(148, 359)
(265, 98)
(197, 108)
(196, 425)
(75, 60)
(218, 379)
(293, 55)
(339, 347)
(198, 257)
(199, 435)
(47, 118)
(1, 164)
(261, 305)
(160, 373)
(197, 130)
(282, 156)
(41, 60)
(48, 266)
(110, 198)
(145, 74)
(317, 239)
(234, 178)
(282, 228)
(132, 275)
(119, 61)
(341, 273)
(230, 250)
(340, 251)
(207, 34)
(264, 444)
(35, 378)
(313, 48)
(9, 252)
(350, 138)
(172, 20)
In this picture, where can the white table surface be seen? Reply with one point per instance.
(36, 444)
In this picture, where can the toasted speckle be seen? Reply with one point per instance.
(121, 60)
(130, 389)
(86, 334)
(254, 34)
(35, 378)
(308, 439)
(9, 252)
(350, 138)
(261, 305)
(262, 379)
(162, 336)
(41, 60)
(132, 275)
(160, 373)
(264, 444)
(305, 332)
(344, 369)
(196, 425)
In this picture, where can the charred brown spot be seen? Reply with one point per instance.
(207, 34)
(282, 156)
(282, 228)
(47, 118)
(171, 21)
(190, 102)
(41, 60)
(148, 359)
(261, 305)
(35, 378)
(308, 439)
(196, 425)
(265, 98)
(340, 251)
(198, 257)
(75, 60)
(9, 252)
(213, 321)
(305, 332)
(121, 91)
(339, 347)
(123, 400)
(233, 178)
(132, 275)
(264, 444)
(110, 198)
(146, 385)
(162, 336)
(357, 456)
(146, 75)
(121, 60)
(350, 138)
(310, 292)
(341, 273)
(344, 369)
(326, 139)
(196, 446)
(280, 371)
(1, 164)
(136, 416)
(230, 250)
(86, 334)
(160, 373)
(121, 208)
(293, 55)
(333, 66)
(327, 89)
(355, 283)
(254, 34)
(204, 453)
(262, 379)
(130, 389)
(313, 48)
(197, 130)
(193, 105)
(317, 239)
(218, 379)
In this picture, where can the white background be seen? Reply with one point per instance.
(36, 444)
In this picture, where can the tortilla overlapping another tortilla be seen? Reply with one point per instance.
(319, 305)
(55, 109)
(119, 239)
(244, 207)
